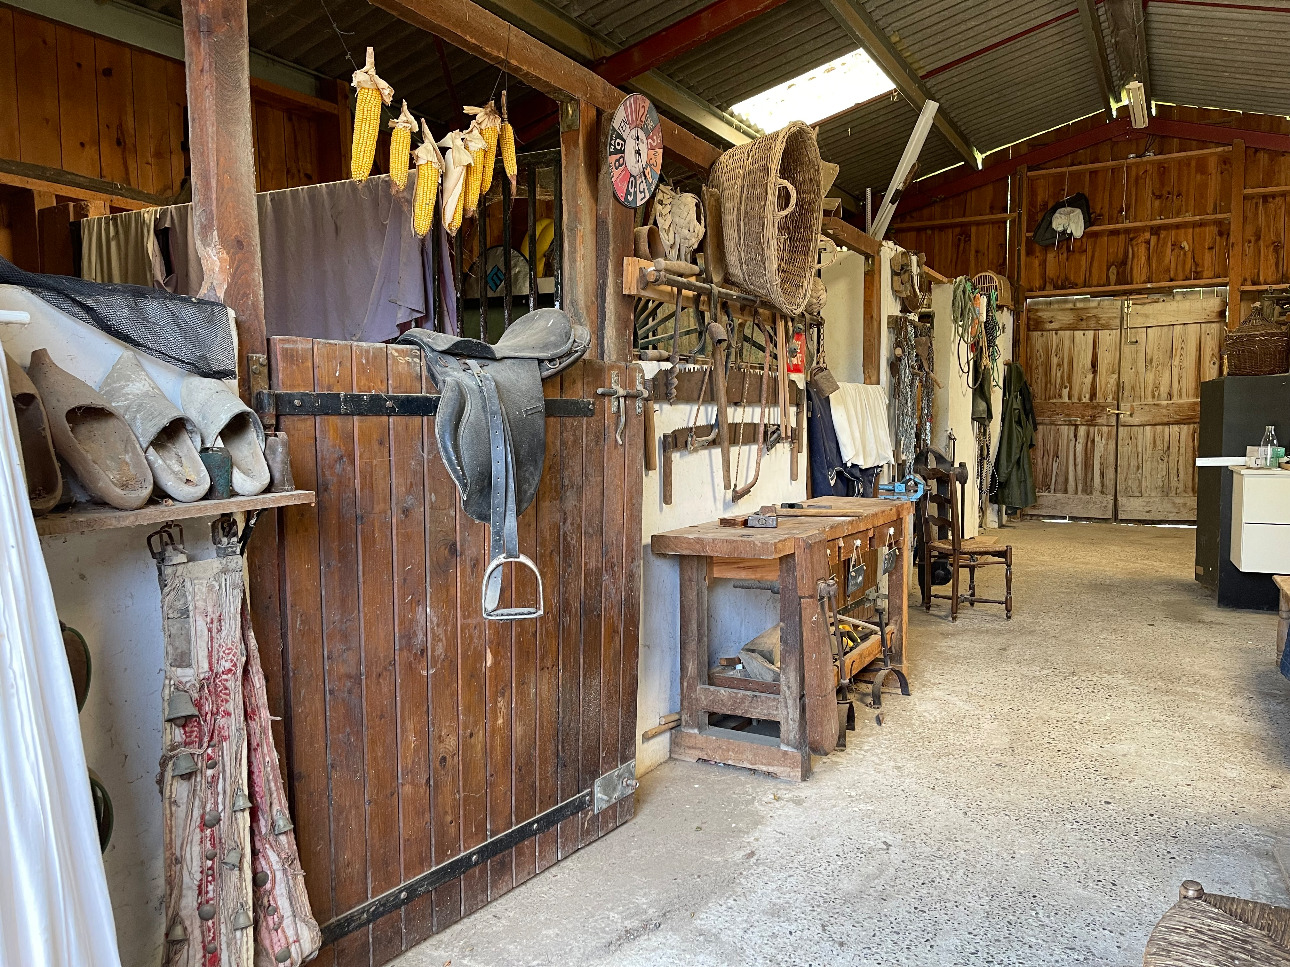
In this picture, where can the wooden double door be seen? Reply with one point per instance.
(1116, 384)
(436, 760)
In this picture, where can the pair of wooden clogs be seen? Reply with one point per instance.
(127, 439)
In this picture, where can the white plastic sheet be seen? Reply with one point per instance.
(54, 907)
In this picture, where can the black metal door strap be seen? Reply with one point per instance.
(385, 404)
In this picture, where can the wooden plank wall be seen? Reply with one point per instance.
(81, 103)
(973, 231)
(415, 730)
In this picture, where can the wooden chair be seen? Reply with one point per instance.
(943, 541)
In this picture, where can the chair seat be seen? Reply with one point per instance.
(973, 545)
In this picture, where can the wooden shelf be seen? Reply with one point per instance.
(98, 517)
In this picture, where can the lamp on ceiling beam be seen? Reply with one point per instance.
(1137, 95)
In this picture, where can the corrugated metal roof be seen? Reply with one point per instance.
(934, 32)
(1216, 57)
(1030, 85)
(625, 23)
(867, 142)
(778, 46)
(1041, 76)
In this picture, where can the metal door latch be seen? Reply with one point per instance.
(613, 786)
(616, 395)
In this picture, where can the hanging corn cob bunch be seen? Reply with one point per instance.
(372, 92)
(507, 138)
(401, 147)
(456, 164)
(429, 167)
(478, 148)
(490, 124)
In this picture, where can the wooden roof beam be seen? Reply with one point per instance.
(856, 20)
(681, 37)
(1128, 19)
(487, 36)
(1091, 27)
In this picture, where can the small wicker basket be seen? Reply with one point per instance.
(1260, 346)
(770, 215)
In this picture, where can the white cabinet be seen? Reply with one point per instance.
(1261, 520)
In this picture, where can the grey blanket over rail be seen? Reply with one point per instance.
(340, 259)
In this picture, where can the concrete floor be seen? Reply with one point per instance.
(1036, 801)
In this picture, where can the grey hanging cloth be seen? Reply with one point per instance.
(340, 260)
(193, 334)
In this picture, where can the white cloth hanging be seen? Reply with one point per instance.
(54, 906)
(860, 421)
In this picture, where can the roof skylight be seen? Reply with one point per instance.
(818, 94)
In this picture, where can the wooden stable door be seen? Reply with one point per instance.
(436, 760)
(1116, 384)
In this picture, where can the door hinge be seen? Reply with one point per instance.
(613, 786)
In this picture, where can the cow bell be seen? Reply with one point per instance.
(241, 919)
(233, 858)
(184, 765)
(180, 706)
(241, 801)
(177, 933)
(281, 823)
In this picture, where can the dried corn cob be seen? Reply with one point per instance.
(489, 123)
(507, 138)
(429, 168)
(456, 164)
(458, 213)
(400, 148)
(372, 91)
(478, 148)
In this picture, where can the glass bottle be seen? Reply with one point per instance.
(1267, 446)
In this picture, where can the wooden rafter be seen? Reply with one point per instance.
(487, 36)
(1091, 27)
(856, 20)
(1129, 39)
(681, 37)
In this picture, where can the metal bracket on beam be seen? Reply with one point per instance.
(570, 115)
(283, 403)
(613, 786)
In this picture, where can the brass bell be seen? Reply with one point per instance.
(177, 933)
(184, 765)
(241, 801)
(233, 858)
(281, 823)
(179, 706)
(241, 919)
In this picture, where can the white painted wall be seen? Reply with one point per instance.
(844, 317)
(736, 617)
(105, 586)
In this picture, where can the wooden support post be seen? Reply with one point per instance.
(694, 640)
(578, 166)
(225, 224)
(614, 224)
(872, 349)
(1021, 189)
(1236, 236)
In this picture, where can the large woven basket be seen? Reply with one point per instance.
(1259, 346)
(770, 215)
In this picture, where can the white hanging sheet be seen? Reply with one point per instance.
(860, 421)
(54, 907)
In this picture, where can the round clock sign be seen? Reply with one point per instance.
(635, 151)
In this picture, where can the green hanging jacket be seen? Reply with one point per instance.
(1014, 475)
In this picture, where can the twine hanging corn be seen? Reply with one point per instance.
(489, 123)
(401, 147)
(478, 148)
(372, 92)
(429, 167)
(507, 138)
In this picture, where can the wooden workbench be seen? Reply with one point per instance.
(799, 553)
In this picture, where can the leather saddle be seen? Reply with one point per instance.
(491, 427)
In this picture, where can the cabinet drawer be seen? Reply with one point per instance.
(1261, 548)
(1265, 498)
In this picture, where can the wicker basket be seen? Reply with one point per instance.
(770, 215)
(1260, 346)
